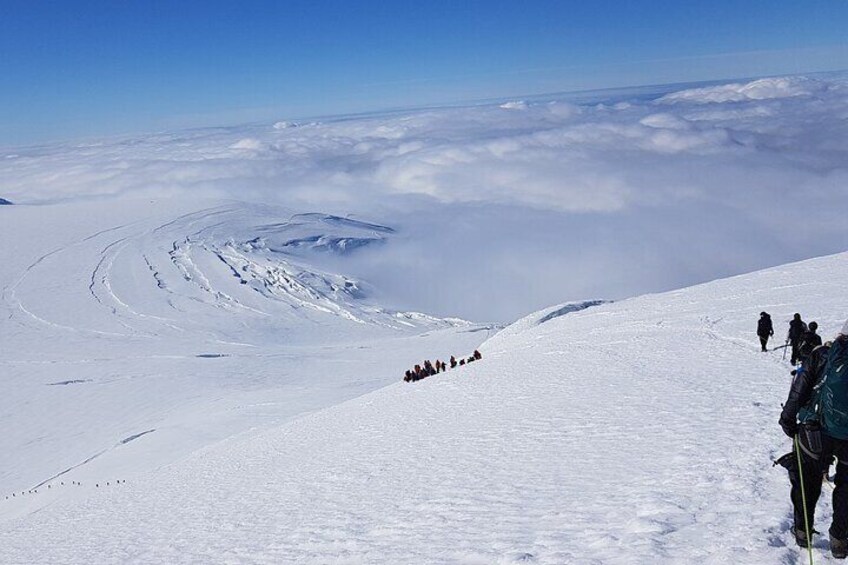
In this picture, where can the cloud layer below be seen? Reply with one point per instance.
(504, 208)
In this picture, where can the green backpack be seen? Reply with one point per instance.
(833, 392)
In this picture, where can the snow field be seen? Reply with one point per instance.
(634, 432)
(106, 338)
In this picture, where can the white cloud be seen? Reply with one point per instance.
(762, 89)
(665, 120)
(248, 143)
(556, 201)
(514, 105)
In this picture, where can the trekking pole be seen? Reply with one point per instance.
(785, 347)
(804, 498)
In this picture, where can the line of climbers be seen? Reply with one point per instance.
(815, 416)
(428, 369)
(801, 337)
(56, 485)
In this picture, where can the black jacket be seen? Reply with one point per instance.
(801, 391)
(796, 329)
(809, 341)
(764, 327)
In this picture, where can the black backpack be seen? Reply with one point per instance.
(833, 391)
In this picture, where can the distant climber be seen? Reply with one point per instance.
(764, 329)
(429, 368)
(797, 327)
(809, 341)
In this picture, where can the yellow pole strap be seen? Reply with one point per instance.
(804, 498)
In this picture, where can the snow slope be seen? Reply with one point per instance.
(634, 432)
(137, 331)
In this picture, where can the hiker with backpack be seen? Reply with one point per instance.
(809, 341)
(797, 327)
(764, 329)
(800, 419)
(816, 417)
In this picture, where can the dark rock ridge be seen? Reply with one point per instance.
(572, 307)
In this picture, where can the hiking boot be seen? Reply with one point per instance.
(838, 547)
(800, 537)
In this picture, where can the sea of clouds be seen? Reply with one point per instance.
(504, 208)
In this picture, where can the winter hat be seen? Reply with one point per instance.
(845, 328)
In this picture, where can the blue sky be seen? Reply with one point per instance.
(75, 69)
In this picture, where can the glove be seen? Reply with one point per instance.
(790, 428)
